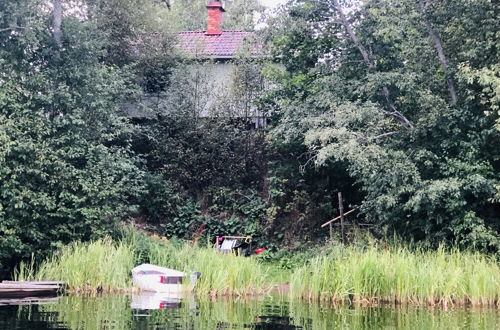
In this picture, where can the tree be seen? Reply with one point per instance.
(433, 179)
(66, 171)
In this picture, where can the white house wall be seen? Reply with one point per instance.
(205, 90)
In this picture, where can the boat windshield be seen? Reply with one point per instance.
(150, 272)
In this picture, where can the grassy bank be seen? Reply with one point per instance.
(399, 276)
(340, 274)
(104, 266)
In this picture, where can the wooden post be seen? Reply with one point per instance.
(331, 232)
(341, 210)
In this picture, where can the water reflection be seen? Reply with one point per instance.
(27, 301)
(154, 300)
(153, 311)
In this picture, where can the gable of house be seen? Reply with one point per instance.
(216, 48)
(224, 45)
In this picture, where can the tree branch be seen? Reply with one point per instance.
(376, 137)
(312, 159)
(167, 3)
(369, 63)
(383, 135)
(13, 28)
(56, 23)
(439, 48)
(352, 35)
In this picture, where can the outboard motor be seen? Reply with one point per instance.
(194, 278)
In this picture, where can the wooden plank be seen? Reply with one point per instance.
(341, 210)
(14, 289)
(59, 283)
(335, 219)
(11, 290)
(13, 293)
(24, 291)
(29, 286)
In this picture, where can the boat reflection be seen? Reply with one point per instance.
(157, 300)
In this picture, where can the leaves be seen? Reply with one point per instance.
(433, 182)
(63, 176)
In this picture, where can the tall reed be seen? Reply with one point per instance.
(102, 265)
(399, 276)
(105, 265)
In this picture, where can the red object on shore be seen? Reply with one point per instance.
(259, 251)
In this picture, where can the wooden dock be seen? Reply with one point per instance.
(21, 289)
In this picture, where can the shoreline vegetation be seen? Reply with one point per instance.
(399, 276)
(362, 276)
(104, 266)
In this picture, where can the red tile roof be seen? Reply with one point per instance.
(224, 45)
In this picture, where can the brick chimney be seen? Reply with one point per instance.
(215, 11)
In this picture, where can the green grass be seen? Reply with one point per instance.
(342, 274)
(399, 276)
(105, 265)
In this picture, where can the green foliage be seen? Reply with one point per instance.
(303, 196)
(198, 141)
(206, 152)
(172, 214)
(427, 168)
(166, 211)
(378, 125)
(63, 176)
(135, 30)
(186, 221)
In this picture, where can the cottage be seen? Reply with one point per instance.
(220, 76)
(227, 67)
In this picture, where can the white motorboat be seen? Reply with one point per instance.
(160, 279)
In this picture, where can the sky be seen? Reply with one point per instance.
(272, 3)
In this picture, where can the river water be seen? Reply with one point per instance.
(149, 311)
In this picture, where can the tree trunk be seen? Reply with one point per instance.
(56, 23)
(439, 47)
(366, 58)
